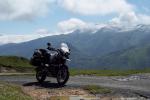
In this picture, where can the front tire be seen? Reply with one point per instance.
(40, 76)
(62, 76)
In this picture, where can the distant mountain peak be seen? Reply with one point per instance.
(113, 28)
(143, 27)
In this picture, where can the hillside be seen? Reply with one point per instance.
(135, 57)
(9, 63)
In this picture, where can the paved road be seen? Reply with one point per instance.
(140, 84)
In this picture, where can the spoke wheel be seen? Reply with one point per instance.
(62, 76)
(40, 76)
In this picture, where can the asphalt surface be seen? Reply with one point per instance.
(137, 84)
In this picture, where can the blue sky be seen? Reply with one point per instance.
(142, 5)
(57, 11)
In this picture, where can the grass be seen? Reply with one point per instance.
(18, 63)
(17, 74)
(21, 64)
(12, 92)
(94, 89)
(74, 72)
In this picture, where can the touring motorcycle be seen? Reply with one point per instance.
(52, 64)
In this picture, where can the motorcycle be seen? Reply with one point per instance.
(52, 64)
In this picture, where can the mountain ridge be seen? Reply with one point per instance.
(86, 47)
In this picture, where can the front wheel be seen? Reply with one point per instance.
(62, 76)
(40, 76)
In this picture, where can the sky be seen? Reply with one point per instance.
(31, 19)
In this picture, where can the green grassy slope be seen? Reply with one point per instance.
(17, 63)
(22, 65)
(132, 58)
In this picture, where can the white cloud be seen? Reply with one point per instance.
(131, 19)
(23, 9)
(4, 39)
(18, 38)
(74, 24)
(95, 7)
(71, 24)
(42, 31)
(126, 13)
(144, 19)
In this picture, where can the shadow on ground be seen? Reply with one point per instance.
(45, 84)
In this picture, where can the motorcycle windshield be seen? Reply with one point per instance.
(65, 47)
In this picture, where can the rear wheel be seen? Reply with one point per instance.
(40, 76)
(62, 76)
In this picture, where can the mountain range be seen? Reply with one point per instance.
(110, 47)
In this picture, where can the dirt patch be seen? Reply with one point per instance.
(7, 70)
(45, 94)
(72, 93)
